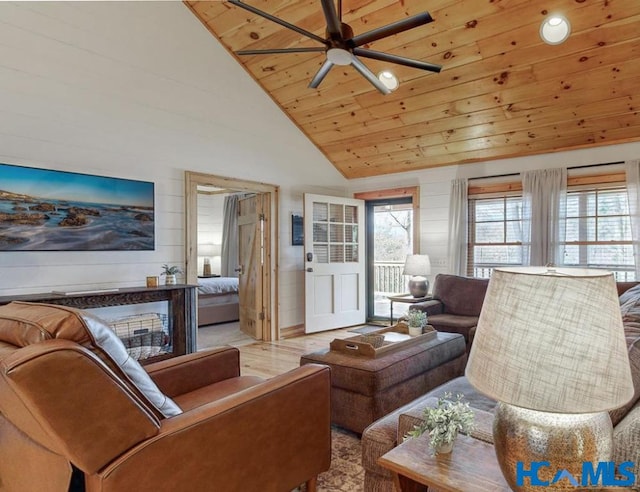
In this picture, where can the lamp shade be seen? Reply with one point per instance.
(417, 265)
(209, 249)
(552, 340)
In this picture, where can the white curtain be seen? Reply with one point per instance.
(229, 254)
(458, 227)
(632, 169)
(544, 205)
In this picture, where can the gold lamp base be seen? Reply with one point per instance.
(534, 448)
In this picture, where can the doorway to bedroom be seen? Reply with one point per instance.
(229, 243)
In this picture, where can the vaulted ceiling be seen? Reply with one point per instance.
(502, 92)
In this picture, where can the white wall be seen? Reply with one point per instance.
(435, 188)
(210, 223)
(140, 90)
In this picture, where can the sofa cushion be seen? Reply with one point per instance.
(25, 323)
(631, 293)
(630, 310)
(460, 295)
(453, 322)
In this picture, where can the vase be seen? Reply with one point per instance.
(415, 331)
(445, 448)
(170, 280)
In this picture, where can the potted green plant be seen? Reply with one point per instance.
(444, 421)
(170, 273)
(416, 320)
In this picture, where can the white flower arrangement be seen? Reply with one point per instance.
(416, 318)
(444, 421)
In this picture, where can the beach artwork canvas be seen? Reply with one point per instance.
(46, 210)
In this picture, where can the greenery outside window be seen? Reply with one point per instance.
(598, 229)
(495, 234)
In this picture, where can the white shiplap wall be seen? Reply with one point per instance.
(435, 188)
(139, 90)
(210, 220)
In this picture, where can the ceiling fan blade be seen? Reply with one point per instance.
(368, 74)
(277, 51)
(321, 74)
(391, 29)
(283, 23)
(334, 26)
(400, 60)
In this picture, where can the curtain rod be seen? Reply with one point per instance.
(572, 167)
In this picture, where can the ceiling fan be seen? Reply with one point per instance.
(341, 46)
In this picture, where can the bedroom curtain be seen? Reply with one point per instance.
(458, 213)
(544, 205)
(229, 253)
(632, 170)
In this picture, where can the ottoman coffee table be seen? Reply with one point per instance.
(364, 389)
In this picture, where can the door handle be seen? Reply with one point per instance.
(310, 270)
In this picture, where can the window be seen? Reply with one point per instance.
(495, 234)
(598, 230)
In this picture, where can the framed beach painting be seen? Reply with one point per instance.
(46, 210)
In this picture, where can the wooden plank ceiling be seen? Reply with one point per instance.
(502, 91)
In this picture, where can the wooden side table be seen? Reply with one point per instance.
(406, 299)
(471, 467)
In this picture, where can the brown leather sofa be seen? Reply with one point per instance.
(67, 406)
(456, 305)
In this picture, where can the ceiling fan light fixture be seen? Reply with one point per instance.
(338, 56)
(341, 47)
(555, 29)
(389, 80)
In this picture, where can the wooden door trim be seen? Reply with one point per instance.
(270, 278)
(413, 192)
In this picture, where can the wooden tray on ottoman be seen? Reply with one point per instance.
(374, 345)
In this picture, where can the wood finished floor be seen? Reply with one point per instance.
(268, 359)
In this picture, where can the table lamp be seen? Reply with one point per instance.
(550, 348)
(207, 250)
(418, 266)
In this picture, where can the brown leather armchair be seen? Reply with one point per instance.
(64, 407)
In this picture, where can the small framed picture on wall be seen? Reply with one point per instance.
(297, 230)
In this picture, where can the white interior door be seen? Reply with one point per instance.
(334, 262)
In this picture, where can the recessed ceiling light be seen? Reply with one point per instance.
(389, 80)
(555, 29)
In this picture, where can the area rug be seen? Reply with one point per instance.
(346, 473)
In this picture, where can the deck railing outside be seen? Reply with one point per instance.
(388, 277)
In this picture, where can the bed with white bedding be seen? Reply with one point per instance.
(217, 300)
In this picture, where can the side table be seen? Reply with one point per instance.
(406, 299)
(471, 467)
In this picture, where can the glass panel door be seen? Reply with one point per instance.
(389, 241)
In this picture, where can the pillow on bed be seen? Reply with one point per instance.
(24, 323)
